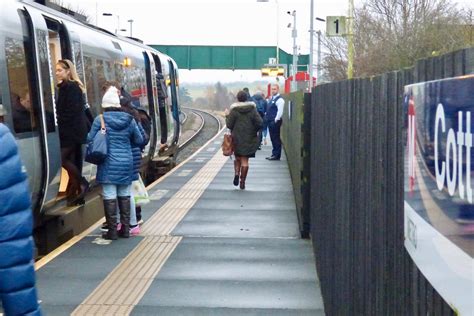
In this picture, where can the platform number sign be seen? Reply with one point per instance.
(336, 26)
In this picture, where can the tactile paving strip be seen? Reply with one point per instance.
(123, 288)
(169, 215)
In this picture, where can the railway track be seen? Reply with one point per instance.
(209, 125)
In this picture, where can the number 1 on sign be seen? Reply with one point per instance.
(336, 26)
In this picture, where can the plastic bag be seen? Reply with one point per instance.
(140, 194)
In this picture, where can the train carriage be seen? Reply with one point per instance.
(33, 38)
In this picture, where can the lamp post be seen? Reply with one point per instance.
(311, 31)
(350, 62)
(318, 70)
(319, 51)
(118, 20)
(277, 29)
(295, 50)
(131, 23)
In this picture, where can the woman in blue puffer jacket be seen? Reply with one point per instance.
(17, 274)
(115, 173)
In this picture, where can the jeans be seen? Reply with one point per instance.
(111, 191)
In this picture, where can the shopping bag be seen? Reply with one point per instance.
(96, 151)
(140, 193)
(227, 145)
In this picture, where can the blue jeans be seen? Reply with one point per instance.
(111, 191)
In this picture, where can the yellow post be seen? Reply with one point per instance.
(350, 38)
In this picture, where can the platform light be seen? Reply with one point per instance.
(127, 62)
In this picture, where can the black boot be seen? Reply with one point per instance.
(138, 211)
(124, 206)
(110, 210)
(236, 172)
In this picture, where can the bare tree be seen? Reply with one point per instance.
(68, 9)
(392, 34)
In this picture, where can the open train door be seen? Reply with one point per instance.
(49, 132)
(175, 110)
(153, 102)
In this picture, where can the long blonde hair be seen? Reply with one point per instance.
(68, 65)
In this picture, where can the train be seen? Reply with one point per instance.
(33, 37)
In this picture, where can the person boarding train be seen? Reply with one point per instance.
(72, 125)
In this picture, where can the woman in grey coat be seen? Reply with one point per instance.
(244, 122)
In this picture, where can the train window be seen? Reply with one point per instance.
(91, 85)
(78, 60)
(22, 112)
(118, 72)
(21, 108)
(101, 77)
(109, 71)
(46, 78)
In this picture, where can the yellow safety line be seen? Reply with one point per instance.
(49, 257)
(183, 200)
(125, 286)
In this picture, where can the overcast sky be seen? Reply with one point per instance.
(214, 22)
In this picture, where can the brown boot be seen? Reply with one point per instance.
(236, 172)
(243, 176)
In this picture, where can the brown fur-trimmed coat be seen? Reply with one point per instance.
(244, 122)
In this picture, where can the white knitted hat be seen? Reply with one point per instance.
(111, 98)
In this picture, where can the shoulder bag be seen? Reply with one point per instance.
(227, 144)
(96, 152)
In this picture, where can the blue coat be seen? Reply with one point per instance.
(122, 132)
(17, 274)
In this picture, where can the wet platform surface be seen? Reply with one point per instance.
(206, 248)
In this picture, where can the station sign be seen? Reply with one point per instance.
(336, 26)
(439, 188)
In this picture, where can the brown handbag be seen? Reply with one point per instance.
(227, 145)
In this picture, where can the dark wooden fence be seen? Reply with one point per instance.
(352, 198)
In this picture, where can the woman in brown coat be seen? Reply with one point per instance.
(244, 122)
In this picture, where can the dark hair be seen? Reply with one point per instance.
(242, 96)
(109, 84)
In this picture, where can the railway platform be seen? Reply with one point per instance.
(206, 248)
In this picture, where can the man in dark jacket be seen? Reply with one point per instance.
(261, 104)
(17, 274)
